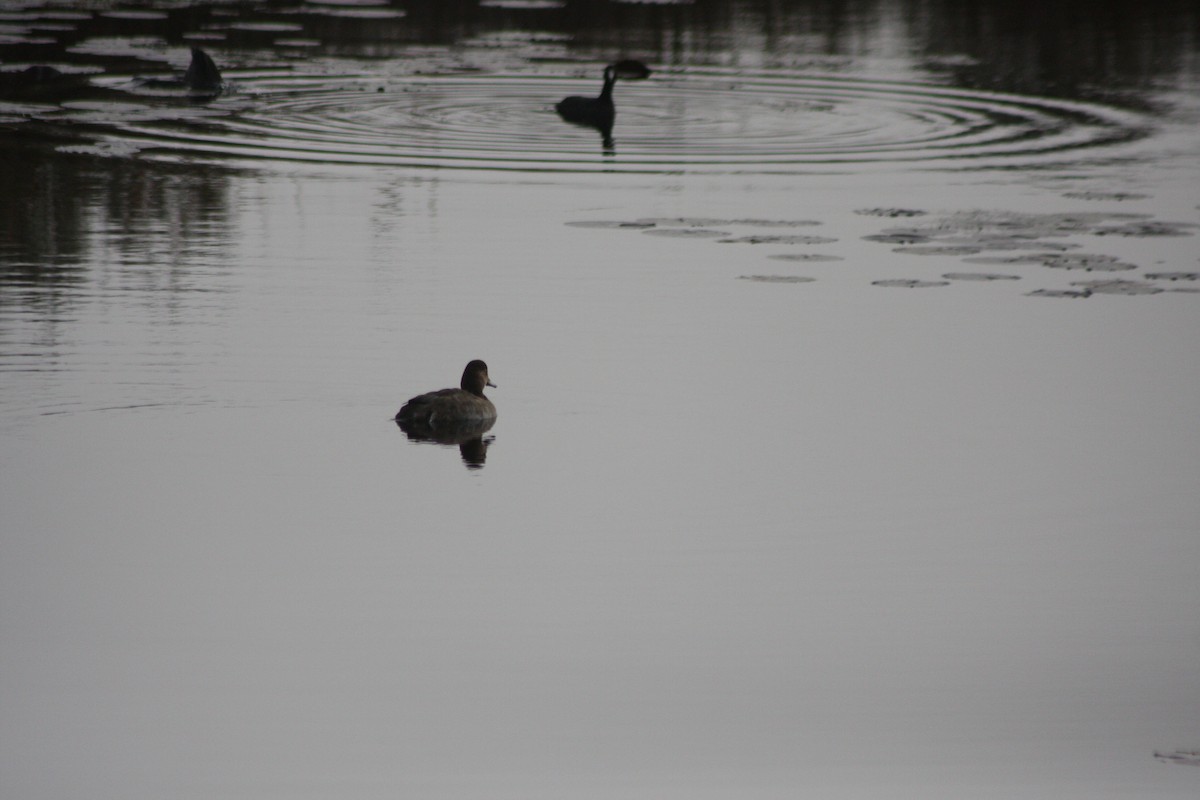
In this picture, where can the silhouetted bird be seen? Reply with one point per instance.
(599, 112)
(452, 407)
(202, 79)
(202, 74)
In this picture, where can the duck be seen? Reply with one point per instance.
(202, 80)
(202, 75)
(600, 112)
(465, 406)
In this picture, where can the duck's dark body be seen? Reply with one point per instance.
(595, 112)
(202, 74)
(202, 80)
(600, 112)
(444, 408)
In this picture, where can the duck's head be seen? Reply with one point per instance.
(475, 377)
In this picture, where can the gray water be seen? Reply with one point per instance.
(847, 440)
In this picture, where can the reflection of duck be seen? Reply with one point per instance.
(469, 436)
(600, 112)
(448, 408)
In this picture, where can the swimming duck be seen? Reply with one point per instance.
(452, 407)
(202, 80)
(599, 112)
(202, 75)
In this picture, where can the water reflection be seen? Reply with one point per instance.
(744, 84)
(67, 220)
(469, 436)
(1062, 49)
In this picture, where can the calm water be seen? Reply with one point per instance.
(847, 440)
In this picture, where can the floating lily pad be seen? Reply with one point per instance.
(891, 213)
(683, 222)
(937, 250)
(1003, 260)
(1059, 293)
(1118, 287)
(804, 257)
(1086, 262)
(776, 278)
(687, 233)
(1005, 227)
(1013, 242)
(980, 276)
(904, 283)
(1095, 195)
(899, 237)
(1189, 758)
(611, 224)
(1173, 276)
(778, 240)
(774, 223)
(1148, 228)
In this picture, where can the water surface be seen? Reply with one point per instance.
(846, 439)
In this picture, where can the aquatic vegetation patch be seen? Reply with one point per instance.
(709, 222)
(1189, 758)
(938, 250)
(1015, 238)
(776, 278)
(1173, 276)
(909, 283)
(1013, 242)
(684, 222)
(687, 233)
(1086, 262)
(611, 224)
(1149, 228)
(901, 237)
(980, 276)
(1118, 287)
(1005, 228)
(891, 213)
(1098, 195)
(996, 261)
(1060, 293)
(778, 240)
(811, 257)
(774, 223)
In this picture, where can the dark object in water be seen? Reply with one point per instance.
(1190, 758)
(39, 73)
(202, 80)
(447, 408)
(599, 112)
(37, 81)
(468, 436)
(202, 74)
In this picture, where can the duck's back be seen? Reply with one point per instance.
(446, 406)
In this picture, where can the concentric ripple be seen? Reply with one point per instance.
(688, 121)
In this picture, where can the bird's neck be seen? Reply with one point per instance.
(610, 78)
